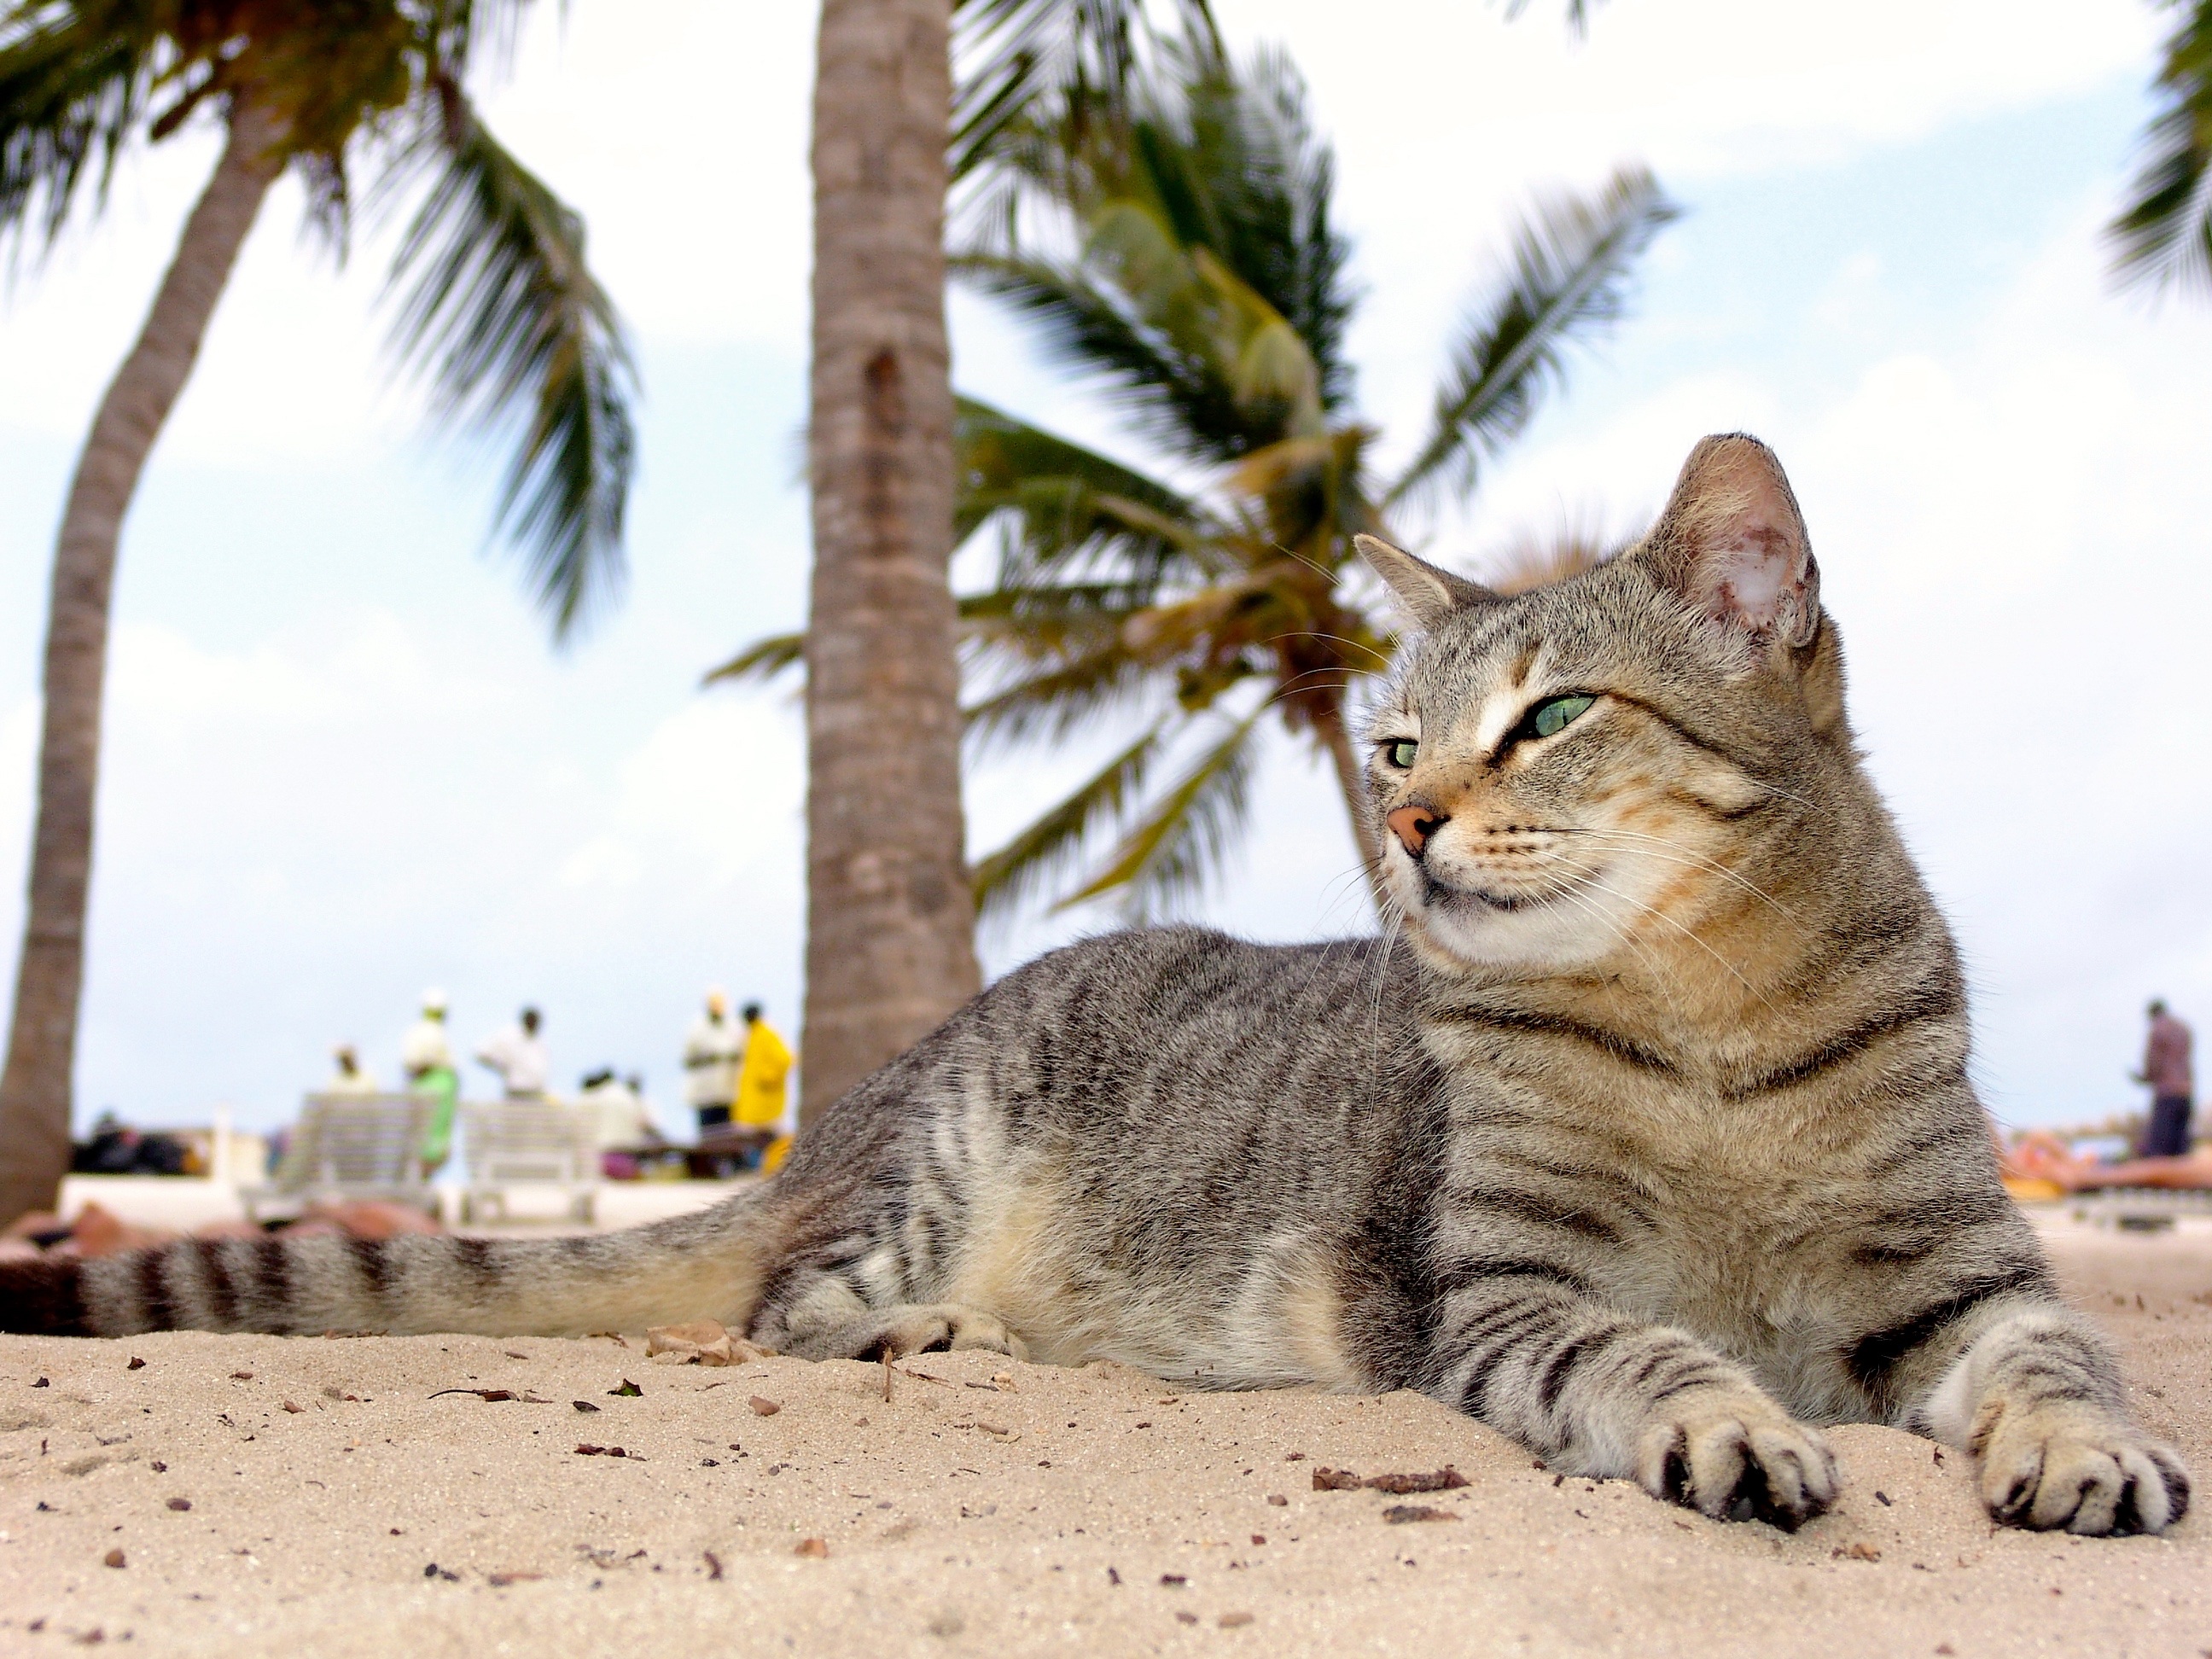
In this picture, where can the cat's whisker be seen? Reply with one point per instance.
(1683, 855)
(1590, 880)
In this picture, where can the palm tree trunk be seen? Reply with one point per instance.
(889, 924)
(1352, 781)
(35, 1086)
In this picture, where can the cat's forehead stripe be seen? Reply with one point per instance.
(1500, 709)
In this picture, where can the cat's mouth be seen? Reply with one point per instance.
(1437, 895)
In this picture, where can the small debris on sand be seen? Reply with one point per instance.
(495, 1396)
(583, 1405)
(113, 1557)
(814, 1548)
(502, 1580)
(1446, 1479)
(763, 1407)
(1231, 1621)
(136, 1364)
(700, 1342)
(628, 1390)
(179, 1504)
(1398, 1514)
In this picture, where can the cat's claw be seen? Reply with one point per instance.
(2076, 1467)
(1735, 1455)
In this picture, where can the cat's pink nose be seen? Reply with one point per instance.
(1414, 825)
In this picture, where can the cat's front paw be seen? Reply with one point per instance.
(1733, 1454)
(2074, 1464)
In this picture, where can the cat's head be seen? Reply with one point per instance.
(1570, 777)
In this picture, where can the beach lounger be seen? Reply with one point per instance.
(515, 1142)
(348, 1146)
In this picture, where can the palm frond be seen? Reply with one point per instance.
(1571, 263)
(75, 81)
(1066, 502)
(1230, 157)
(1057, 620)
(505, 318)
(2163, 237)
(1013, 56)
(764, 660)
(1035, 856)
(1178, 846)
(1057, 701)
(1171, 399)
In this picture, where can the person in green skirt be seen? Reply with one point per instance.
(427, 1057)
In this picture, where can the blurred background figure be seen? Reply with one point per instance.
(517, 1057)
(761, 1079)
(623, 1126)
(710, 1065)
(2166, 1068)
(426, 1054)
(116, 1148)
(350, 1079)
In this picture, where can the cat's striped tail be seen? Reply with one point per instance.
(708, 1266)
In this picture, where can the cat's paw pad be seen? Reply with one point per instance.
(1737, 1455)
(2079, 1467)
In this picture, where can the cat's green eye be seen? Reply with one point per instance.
(1550, 719)
(1401, 754)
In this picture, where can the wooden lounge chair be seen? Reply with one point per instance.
(537, 1143)
(350, 1146)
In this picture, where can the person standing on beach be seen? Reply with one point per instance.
(2166, 1068)
(761, 1082)
(710, 1066)
(426, 1055)
(519, 1058)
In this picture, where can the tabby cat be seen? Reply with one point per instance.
(1645, 1136)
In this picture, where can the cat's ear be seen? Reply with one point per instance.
(1428, 594)
(1732, 542)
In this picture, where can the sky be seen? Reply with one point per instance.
(343, 761)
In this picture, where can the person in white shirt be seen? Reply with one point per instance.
(519, 1058)
(426, 1048)
(711, 1054)
(352, 1080)
(622, 1121)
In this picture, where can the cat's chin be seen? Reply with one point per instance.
(1516, 934)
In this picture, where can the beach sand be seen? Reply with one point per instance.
(340, 1503)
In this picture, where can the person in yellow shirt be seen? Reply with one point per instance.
(761, 1079)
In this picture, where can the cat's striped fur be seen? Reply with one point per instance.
(1647, 1139)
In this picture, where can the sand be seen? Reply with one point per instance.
(340, 1503)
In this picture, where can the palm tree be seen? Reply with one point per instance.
(1182, 257)
(890, 921)
(2164, 236)
(497, 310)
